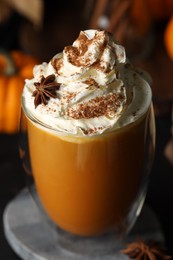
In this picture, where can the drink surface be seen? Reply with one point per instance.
(88, 186)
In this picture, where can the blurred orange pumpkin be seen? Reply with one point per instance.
(168, 37)
(15, 67)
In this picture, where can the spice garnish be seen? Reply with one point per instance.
(45, 89)
(141, 251)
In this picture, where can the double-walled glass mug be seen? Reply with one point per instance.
(89, 186)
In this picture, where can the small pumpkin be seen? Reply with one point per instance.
(146, 12)
(15, 67)
(168, 37)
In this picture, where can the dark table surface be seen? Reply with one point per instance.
(160, 191)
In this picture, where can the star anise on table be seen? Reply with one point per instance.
(145, 251)
(45, 89)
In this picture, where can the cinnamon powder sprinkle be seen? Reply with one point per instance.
(92, 131)
(68, 97)
(106, 105)
(76, 54)
(91, 82)
(57, 64)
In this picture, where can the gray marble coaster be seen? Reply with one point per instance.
(32, 239)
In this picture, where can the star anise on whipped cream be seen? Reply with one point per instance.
(45, 89)
(145, 251)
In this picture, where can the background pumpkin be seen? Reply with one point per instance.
(15, 67)
(168, 37)
(146, 12)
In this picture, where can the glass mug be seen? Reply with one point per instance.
(89, 186)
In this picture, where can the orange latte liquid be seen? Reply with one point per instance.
(88, 184)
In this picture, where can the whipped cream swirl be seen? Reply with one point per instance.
(97, 87)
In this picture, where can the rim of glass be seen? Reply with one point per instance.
(58, 132)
